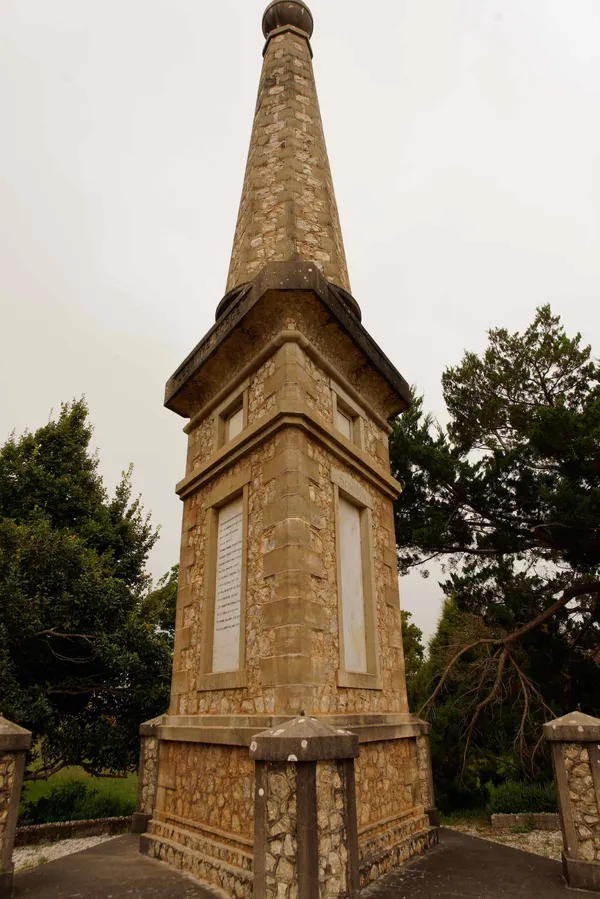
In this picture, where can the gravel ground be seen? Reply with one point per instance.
(32, 856)
(539, 842)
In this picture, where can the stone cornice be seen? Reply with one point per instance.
(261, 357)
(282, 276)
(239, 730)
(290, 413)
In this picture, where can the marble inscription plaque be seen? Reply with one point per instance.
(228, 591)
(353, 601)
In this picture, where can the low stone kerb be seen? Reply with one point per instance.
(304, 739)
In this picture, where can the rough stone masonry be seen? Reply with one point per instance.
(575, 742)
(14, 743)
(288, 606)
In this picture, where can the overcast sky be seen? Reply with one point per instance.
(464, 139)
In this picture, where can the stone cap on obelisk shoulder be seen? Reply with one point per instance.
(304, 739)
(12, 737)
(573, 728)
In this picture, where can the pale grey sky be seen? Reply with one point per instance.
(464, 139)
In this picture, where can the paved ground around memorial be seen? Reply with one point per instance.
(464, 867)
(461, 867)
(113, 870)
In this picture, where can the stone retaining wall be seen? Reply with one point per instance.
(66, 830)
(538, 821)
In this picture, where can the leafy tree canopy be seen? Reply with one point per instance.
(414, 654)
(161, 604)
(84, 653)
(507, 496)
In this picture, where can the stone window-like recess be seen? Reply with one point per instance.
(223, 627)
(359, 663)
(231, 417)
(234, 423)
(348, 417)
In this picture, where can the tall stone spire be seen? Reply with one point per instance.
(288, 595)
(288, 211)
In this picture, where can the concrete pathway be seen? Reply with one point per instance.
(461, 867)
(464, 867)
(113, 870)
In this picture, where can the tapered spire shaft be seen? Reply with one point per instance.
(288, 210)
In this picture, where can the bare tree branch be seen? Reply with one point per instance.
(504, 654)
(45, 773)
(52, 632)
(501, 656)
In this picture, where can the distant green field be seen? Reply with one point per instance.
(72, 795)
(123, 787)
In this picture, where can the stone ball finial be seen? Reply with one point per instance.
(287, 12)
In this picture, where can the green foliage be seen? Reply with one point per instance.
(507, 497)
(516, 797)
(83, 658)
(125, 786)
(74, 800)
(161, 604)
(414, 653)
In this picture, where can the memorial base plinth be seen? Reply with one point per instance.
(204, 818)
(400, 850)
(140, 822)
(434, 816)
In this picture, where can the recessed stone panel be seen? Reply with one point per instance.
(228, 591)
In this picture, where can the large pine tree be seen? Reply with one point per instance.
(507, 496)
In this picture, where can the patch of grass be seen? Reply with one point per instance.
(120, 786)
(72, 795)
(39, 860)
(465, 816)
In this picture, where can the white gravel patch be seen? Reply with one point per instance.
(539, 842)
(32, 856)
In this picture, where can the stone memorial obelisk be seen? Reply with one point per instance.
(288, 599)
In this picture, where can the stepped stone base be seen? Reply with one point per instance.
(209, 860)
(223, 867)
(203, 820)
(376, 866)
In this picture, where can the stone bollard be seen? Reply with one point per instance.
(305, 824)
(148, 776)
(14, 743)
(575, 742)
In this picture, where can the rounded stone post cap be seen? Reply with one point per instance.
(13, 737)
(573, 728)
(280, 13)
(304, 739)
